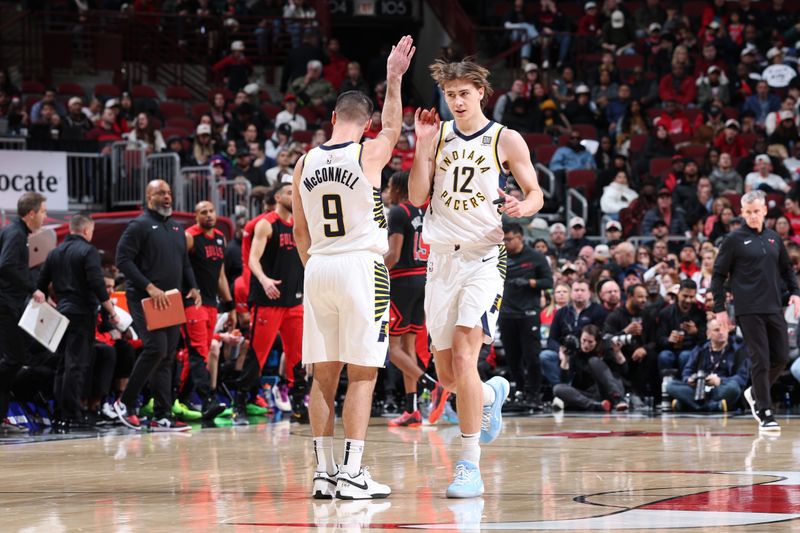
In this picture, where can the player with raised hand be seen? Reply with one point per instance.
(461, 166)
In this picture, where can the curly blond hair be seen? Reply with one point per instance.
(466, 70)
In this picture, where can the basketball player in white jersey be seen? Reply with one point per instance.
(461, 166)
(340, 231)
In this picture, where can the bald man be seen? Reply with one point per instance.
(152, 255)
(205, 245)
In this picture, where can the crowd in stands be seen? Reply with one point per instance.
(661, 118)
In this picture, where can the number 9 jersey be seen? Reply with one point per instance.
(465, 183)
(344, 212)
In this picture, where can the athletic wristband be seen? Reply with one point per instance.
(227, 307)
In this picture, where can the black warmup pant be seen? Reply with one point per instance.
(101, 371)
(154, 364)
(13, 346)
(76, 348)
(199, 377)
(522, 344)
(607, 387)
(767, 340)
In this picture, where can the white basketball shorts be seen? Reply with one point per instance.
(463, 288)
(346, 310)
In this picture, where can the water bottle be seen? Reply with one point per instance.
(665, 403)
(424, 403)
(787, 401)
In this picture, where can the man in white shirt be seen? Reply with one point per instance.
(289, 114)
(763, 178)
(283, 167)
(506, 99)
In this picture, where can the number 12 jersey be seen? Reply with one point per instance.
(344, 211)
(465, 182)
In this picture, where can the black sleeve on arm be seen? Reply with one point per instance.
(189, 282)
(94, 275)
(397, 219)
(543, 274)
(45, 276)
(10, 265)
(127, 250)
(786, 270)
(722, 267)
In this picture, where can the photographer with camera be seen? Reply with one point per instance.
(569, 320)
(587, 380)
(528, 274)
(633, 332)
(714, 376)
(681, 328)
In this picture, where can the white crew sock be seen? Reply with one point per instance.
(470, 447)
(323, 451)
(488, 394)
(351, 462)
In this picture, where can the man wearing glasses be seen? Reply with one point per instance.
(528, 274)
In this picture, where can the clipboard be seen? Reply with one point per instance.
(164, 318)
(40, 244)
(44, 323)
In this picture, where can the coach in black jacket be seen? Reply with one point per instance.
(528, 274)
(74, 270)
(16, 287)
(152, 255)
(756, 261)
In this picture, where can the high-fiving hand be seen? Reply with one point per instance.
(400, 57)
(426, 125)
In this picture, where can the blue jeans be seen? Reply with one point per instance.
(667, 361)
(551, 366)
(524, 32)
(728, 390)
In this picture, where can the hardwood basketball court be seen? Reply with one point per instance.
(564, 473)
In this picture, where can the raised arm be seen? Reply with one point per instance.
(427, 128)
(376, 153)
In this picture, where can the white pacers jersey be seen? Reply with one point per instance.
(343, 210)
(465, 183)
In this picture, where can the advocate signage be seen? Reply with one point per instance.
(24, 171)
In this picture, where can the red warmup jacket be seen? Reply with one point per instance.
(735, 148)
(686, 93)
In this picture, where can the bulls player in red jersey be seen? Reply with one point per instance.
(276, 297)
(206, 247)
(406, 260)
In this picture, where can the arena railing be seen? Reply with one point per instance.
(574, 197)
(230, 194)
(129, 173)
(13, 143)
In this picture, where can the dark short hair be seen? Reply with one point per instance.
(591, 329)
(399, 180)
(29, 201)
(688, 284)
(630, 291)
(353, 106)
(79, 221)
(512, 227)
(279, 187)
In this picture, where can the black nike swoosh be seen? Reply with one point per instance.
(486, 259)
(326, 478)
(362, 486)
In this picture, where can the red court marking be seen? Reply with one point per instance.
(599, 434)
(750, 499)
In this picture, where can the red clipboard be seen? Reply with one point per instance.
(164, 318)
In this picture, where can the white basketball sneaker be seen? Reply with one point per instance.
(360, 487)
(324, 486)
